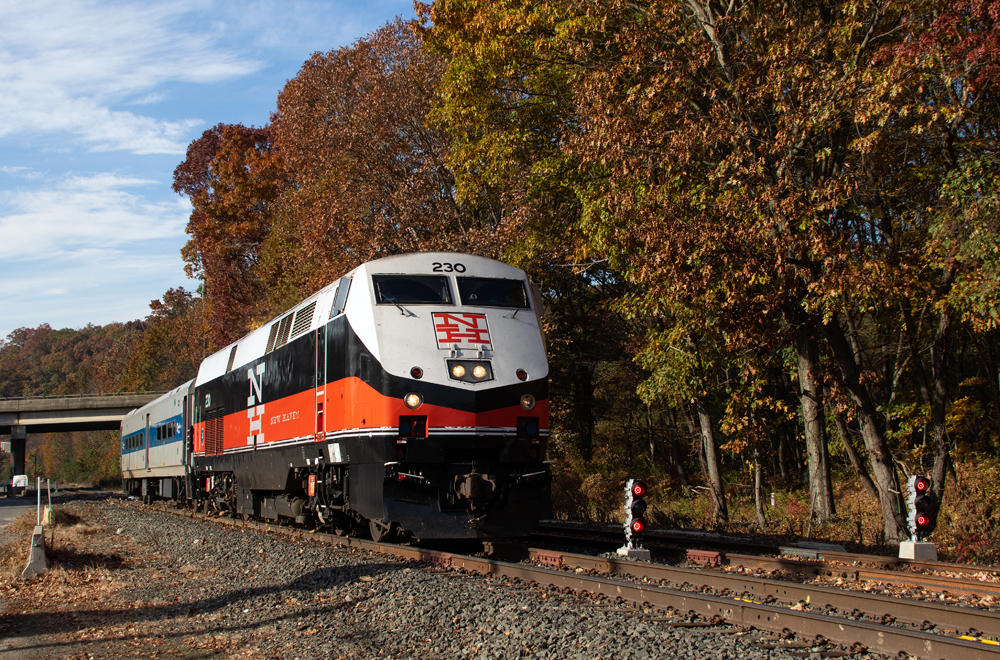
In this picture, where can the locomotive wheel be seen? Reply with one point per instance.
(380, 531)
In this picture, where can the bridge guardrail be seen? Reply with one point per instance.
(79, 396)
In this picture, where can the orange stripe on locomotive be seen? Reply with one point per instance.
(349, 404)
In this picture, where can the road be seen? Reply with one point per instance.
(13, 507)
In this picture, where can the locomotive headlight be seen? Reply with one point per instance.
(413, 400)
(527, 401)
(470, 371)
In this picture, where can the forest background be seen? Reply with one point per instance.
(766, 233)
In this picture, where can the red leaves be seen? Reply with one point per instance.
(234, 177)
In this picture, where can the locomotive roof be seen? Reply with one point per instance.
(313, 310)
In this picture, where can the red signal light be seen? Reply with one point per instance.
(923, 520)
(638, 489)
(638, 526)
(922, 485)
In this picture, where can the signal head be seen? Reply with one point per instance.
(923, 506)
(638, 488)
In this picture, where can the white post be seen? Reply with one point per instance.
(48, 487)
(38, 490)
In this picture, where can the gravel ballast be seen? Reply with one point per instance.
(146, 583)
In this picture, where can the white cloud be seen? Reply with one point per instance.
(87, 249)
(81, 242)
(65, 65)
(99, 287)
(20, 171)
(80, 214)
(149, 98)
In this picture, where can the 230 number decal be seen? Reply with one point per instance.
(448, 268)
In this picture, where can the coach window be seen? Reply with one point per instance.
(492, 292)
(411, 290)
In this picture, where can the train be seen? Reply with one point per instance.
(408, 398)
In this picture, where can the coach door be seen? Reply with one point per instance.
(145, 445)
(321, 394)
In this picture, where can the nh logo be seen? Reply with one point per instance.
(255, 404)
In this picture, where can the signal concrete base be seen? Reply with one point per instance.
(921, 550)
(38, 563)
(634, 553)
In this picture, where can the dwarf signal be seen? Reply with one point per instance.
(923, 507)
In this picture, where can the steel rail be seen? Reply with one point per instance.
(825, 564)
(953, 586)
(958, 619)
(669, 539)
(737, 611)
(555, 531)
(918, 564)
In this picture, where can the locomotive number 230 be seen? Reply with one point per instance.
(448, 268)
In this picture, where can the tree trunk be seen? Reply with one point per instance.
(676, 455)
(879, 454)
(988, 351)
(649, 434)
(939, 402)
(758, 489)
(852, 455)
(934, 392)
(783, 457)
(814, 421)
(712, 464)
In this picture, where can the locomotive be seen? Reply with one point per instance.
(409, 396)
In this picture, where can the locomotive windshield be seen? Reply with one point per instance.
(411, 289)
(490, 292)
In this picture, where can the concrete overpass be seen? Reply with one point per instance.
(75, 412)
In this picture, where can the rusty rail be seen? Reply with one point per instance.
(954, 586)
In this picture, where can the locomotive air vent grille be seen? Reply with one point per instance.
(303, 319)
(271, 337)
(232, 358)
(285, 326)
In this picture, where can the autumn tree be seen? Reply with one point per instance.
(43, 361)
(772, 163)
(367, 172)
(233, 177)
(168, 351)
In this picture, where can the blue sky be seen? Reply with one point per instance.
(98, 102)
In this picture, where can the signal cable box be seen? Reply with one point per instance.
(920, 550)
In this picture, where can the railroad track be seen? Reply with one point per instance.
(937, 583)
(808, 562)
(886, 625)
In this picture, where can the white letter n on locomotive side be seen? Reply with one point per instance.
(255, 411)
